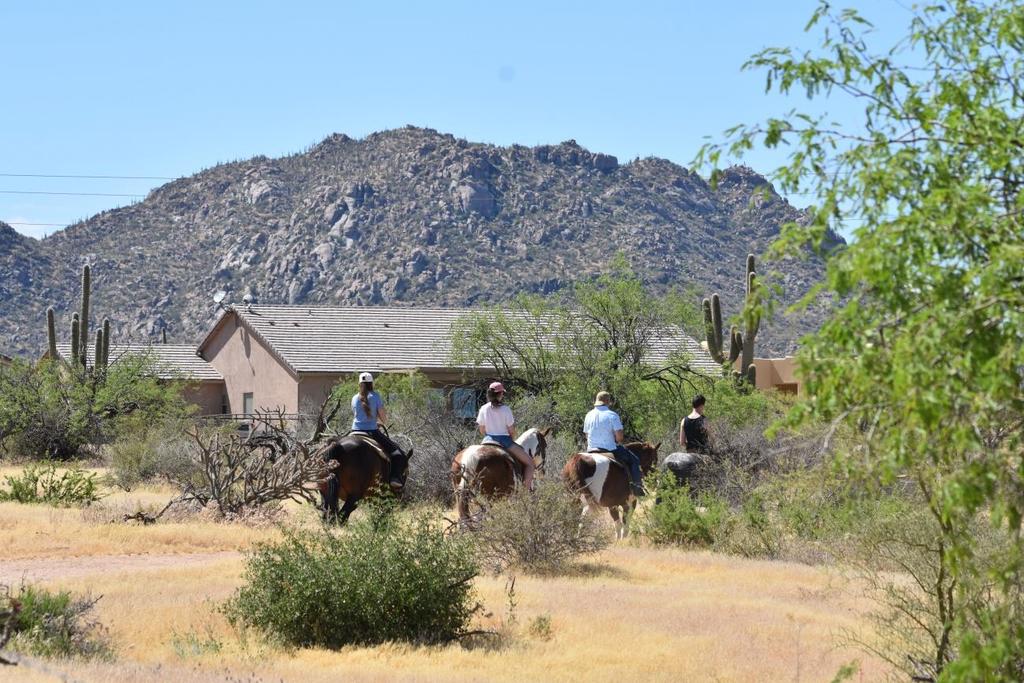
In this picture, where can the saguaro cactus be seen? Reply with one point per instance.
(713, 328)
(74, 338)
(83, 318)
(106, 343)
(741, 344)
(753, 324)
(80, 331)
(51, 333)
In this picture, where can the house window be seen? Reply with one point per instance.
(464, 402)
(247, 404)
(224, 405)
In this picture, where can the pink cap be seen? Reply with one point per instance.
(497, 387)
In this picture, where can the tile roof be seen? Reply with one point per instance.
(356, 338)
(173, 361)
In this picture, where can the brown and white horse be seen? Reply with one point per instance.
(601, 481)
(361, 468)
(490, 471)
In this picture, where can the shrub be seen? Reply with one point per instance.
(681, 519)
(817, 505)
(754, 531)
(56, 624)
(46, 483)
(55, 411)
(142, 453)
(384, 579)
(233, 474)
(539, 532)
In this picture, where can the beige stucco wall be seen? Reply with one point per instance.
(313, 389)
(773, 372)
(206, 395)
(248, 366)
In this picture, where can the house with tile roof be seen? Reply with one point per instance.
(289, 357)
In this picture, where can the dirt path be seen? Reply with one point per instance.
(50, 569)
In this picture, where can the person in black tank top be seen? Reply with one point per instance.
(693, 430)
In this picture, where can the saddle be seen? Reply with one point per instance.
(369, 440)
(605, 451)
(517, 467)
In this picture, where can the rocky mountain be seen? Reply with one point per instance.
(402, 217)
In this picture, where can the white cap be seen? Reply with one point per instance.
(365, 377)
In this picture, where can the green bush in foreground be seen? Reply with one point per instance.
(382, 579)
(56, 624)
(52, 485)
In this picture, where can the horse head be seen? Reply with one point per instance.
(535, 442)
(647, 452)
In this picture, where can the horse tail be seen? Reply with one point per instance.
(572, 476)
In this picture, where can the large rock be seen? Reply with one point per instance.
(605, 163)
(475, 197)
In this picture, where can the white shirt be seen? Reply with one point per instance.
(496, 420)
(600, 424)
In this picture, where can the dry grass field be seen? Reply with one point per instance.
(631, 613)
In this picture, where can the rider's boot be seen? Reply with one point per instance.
(636, 479)
(398, 466)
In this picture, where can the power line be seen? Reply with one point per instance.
(57, 225)
(74, 194)
(97, 177)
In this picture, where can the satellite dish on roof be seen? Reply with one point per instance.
(219, 298)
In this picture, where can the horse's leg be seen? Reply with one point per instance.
(627, 514)
(347, 508)
(329, 499)
(462, 501)
(585, 500)
(614, 512)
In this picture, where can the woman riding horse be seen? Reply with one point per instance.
(367, 413)
(497, 425)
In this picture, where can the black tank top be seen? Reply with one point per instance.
(696, 434)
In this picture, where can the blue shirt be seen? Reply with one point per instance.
(600, 424)
(362, 421)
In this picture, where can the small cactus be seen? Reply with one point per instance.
(98, 360)
(74, 339)
(106, 342)
(51, 334)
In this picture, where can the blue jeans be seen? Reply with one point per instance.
(632, 463)
(503, 440)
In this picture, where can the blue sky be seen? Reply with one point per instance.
(166, 89)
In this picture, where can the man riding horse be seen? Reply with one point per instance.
(603, 428)
(367, 413)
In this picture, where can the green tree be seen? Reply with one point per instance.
(53, 410)
(924, 353)
(601, 336)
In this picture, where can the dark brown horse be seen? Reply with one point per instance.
(600, 480)
(491, 472)
(362, 468)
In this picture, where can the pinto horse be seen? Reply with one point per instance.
(600, 480)
(362, 467)
(491, 471)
